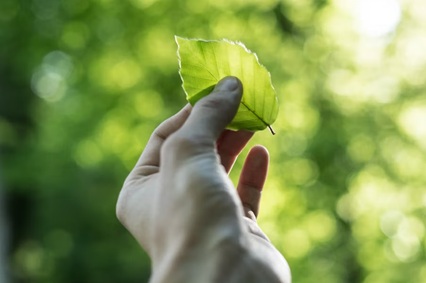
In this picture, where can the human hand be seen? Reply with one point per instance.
(180, 205)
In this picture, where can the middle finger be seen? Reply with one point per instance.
(230, 144)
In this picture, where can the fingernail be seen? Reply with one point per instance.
(228, 84)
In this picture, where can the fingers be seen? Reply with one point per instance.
(252, 179)
(230, 144)
(150, 159)
(213, 113)
(203, 123)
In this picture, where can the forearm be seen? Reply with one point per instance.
(198, 266)
(227, 264)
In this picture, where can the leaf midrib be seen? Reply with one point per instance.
(254, 113)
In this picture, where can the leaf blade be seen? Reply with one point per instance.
(202, 63)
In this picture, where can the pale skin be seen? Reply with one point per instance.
(180, 205)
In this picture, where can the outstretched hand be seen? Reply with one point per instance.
(180, 205)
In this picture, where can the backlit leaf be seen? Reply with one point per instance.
(203, 63)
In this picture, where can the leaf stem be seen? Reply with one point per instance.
(270, 129)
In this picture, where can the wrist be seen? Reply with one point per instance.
(198, 266)
(207, 259)
(226, 265)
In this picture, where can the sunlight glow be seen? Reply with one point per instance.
(377, 18)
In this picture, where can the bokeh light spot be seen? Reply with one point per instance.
(143, 4)
(361, 148)
(300, 116)
(30, 259)
(297, 243)
(406, 247)
(344, 208)
(116, 72)
(320, 226)
(300, 171)
(49, 86)
(148, 103)
(87, 153)
(390, 221)
(412, 119)
(49, 81)
(125, 73)
(113, 133)
(75, 35)
(157, 48)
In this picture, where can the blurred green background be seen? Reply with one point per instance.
(84, 83)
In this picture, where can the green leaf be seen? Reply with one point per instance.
(203, 63)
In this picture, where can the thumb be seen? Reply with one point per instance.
(213, 113)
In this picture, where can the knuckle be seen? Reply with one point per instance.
(212, 103)
(178, 144)
(209, 189)
(223, 105)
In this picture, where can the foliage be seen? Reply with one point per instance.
(84, 83)
(202, 63)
